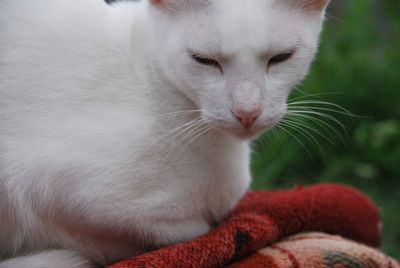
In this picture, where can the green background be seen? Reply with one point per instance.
(358, 67)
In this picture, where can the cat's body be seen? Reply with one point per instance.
(97, 161)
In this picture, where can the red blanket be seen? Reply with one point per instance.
(263, 218)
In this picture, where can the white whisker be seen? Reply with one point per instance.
(315, 95)
(174, 132)
(313, 117)
(297, 139)
(305, 134)
(303, 118)
(323, 115)
(173, 141)
(176, 113)
(301, 126)
(202, 131)
(321, 103)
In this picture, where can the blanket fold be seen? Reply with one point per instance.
(262, 218)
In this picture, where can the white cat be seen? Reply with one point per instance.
(125, 128)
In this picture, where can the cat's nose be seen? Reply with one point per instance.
(247, 117)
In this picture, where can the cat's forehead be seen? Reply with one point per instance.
(235, 25)
(241, 9)
(243, 24)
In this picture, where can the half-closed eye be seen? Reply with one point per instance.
(280, 58)
(205, 60)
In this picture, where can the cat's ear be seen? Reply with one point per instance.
(309, 5)
(168, 4)
(175, 6)
(156, 2)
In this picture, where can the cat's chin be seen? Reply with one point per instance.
(248, 133)
(242, 133)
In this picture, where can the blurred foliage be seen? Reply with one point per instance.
(358, 67)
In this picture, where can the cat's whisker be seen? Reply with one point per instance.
(319, 114)
(320, 103)
(265, 140)
(312, 129)
(337, 19)
(172, 141)
(280, 127)
(304, 133)
(183, 112)
(310, 118)
(183, 130)
(187, 132)
(188, 137)
(190, 133)
(314, 95)
(276, 132)
(304, 118)
(202, 131)
(178, 130)
(174, 132)
(346, 113)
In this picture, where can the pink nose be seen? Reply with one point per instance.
(247, 117)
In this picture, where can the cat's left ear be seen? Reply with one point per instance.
(315, 5)
(170, 5)
(156, 2)
(310, 5)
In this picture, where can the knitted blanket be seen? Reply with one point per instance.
(263, 218)
(317, 250)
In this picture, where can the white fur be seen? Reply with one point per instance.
(89, 159)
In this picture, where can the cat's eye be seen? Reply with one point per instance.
(206, 61)
(280, 58)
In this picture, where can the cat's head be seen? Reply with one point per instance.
(236, 60)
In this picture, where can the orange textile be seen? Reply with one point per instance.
(317, 250)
